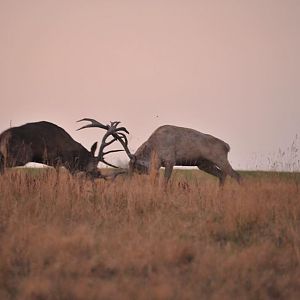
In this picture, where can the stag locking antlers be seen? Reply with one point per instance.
(172, 146)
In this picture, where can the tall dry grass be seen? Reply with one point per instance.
(63, 237)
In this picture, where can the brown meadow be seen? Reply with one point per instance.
(64, 237)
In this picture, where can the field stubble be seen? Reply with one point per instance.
(64, 237)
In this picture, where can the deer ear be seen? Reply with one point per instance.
(93, 148)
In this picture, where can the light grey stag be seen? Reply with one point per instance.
(170, 146)
(178, 146)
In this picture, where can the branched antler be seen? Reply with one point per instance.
(118, 134)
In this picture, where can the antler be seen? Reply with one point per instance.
(112, 130)
(94, 123)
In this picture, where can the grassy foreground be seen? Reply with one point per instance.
(63, 237)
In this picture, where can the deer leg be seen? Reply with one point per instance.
(18, 156)
(16, 162)
(212, 169)
(1, 163)
(168, 170)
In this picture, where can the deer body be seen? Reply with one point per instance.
(178, 146)
(47, 143)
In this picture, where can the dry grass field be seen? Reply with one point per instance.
(63, 237)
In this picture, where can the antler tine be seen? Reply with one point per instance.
(109, 164)
(122, 129)
(112, 151)
(114, 124)
(124, 142)
(122, 136)
(94, 123)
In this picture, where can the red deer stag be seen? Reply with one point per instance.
(170, 146)
(178, 146)
(47, 143)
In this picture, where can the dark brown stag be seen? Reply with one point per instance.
(170, 146)
(47, 143)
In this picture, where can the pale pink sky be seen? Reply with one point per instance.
(229, 68)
